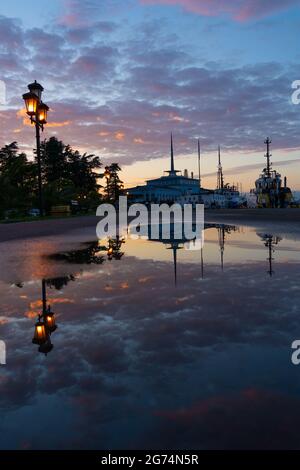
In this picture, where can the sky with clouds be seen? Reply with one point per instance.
(120, 76)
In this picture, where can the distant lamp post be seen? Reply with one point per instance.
(37, 111)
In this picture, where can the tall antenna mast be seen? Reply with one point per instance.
(220, 182)
(268, 155)
(172, 154)
(199, 165)
(172, 171)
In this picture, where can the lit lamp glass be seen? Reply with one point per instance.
(107, 174)
(42, 113)
(40, 333)
(110, 251)
(31, 103)
(49, 319)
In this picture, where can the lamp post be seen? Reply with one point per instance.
(37, 111)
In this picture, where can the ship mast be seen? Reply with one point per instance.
(172, 155)
(199, 165)
(220, 180)
(268, 156)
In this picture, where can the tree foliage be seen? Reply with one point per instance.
(114, 186)
(66, 174)
(18, 179)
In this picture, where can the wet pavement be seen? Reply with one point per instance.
(157, 346)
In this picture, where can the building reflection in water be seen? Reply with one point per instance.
(223, 230)
(270, 241)
(176, 244)
(94, 253)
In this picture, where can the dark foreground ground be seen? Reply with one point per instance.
(40, 228)
(43, 228)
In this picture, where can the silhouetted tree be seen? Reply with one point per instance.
(66, 174)
(90, 254)
(69, 175)
(114, 185)
(17, 180)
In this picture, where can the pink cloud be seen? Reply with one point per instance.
(239, 10)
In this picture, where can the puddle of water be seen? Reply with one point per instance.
(156, 346)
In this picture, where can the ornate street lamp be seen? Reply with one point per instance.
(36, 88)
(37, 111)
(42, 113)
(31, 103)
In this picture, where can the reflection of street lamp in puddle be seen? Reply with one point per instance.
(45, 325)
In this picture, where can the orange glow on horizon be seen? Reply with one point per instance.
(59, 124)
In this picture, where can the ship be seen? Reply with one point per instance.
(231, 194)
(269, 190)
